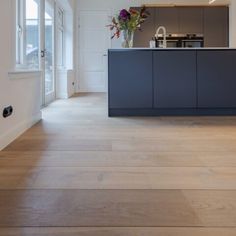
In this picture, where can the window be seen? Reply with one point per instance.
(60, 36)
(27, 34)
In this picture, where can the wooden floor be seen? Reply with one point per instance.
(79, 172)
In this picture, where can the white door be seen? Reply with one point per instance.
(47, 50)
(94, 41)
(48, 59)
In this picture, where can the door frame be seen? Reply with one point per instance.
(79, 73)
(47, 99)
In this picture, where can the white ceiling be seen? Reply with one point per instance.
(184, 2)
(197, 2)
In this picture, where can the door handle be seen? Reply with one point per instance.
(105, 55)
(43, 52)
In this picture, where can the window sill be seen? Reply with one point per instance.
(24, 74)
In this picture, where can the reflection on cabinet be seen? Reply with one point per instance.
(190, 20)
(168, 17)
(142, 38)
(174, 79)
(216, 26)
(130, 79)
(216, 79)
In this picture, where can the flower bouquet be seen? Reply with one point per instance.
(126, 23)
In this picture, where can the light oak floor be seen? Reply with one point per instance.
(78, 172)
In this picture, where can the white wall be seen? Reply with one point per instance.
(113, 6)
(23, 94)
(232, 23)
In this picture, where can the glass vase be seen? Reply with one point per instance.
(127, 38)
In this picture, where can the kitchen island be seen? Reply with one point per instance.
(172, 81)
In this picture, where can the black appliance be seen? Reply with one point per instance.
(193, 41)
(182, 41)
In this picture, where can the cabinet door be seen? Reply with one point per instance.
(216, 79)
(174, 79)
(191, 20)
(216, 26)
(130, 79)
(143, 37)
(168, 17)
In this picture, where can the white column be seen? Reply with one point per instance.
(232, 24)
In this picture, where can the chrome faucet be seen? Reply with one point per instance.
(163, 29)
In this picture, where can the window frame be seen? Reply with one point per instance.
(20, 12)
(20, 37)
(61, 29)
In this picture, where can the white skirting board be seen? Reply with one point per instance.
(15, 132)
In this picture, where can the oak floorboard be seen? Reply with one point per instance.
(60, 145)
(115, 159)
(118, 231)
(117, 208)
(131, 145)
(118, 178)
(120, 131)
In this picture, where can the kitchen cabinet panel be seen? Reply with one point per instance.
(130, 79)
(213, 22)
(190, 20)
(143, 37)
(174, 79)
(168, 17)
(216, 73)
(216, 26)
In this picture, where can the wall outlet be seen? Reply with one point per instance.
(7, 111)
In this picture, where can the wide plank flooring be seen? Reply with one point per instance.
(117, 231)
(78, 172)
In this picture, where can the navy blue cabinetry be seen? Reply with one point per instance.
(216, 75)
(174, 74)
(130, 79)
(149, 82)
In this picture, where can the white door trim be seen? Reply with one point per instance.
(47, 98)
(80, 86)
